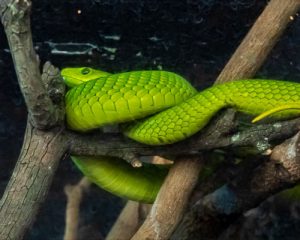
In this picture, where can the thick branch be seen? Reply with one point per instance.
(216, 135)
(34, 171)
(212, 214)
(41, 150)
(169, 205)
(30, 181)
(15, 16)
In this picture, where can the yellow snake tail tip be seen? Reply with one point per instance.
(275, 110)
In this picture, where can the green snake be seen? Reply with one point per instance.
(159, 108)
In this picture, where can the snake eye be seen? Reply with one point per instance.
(85, 71)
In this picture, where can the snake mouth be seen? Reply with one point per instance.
(71, 81)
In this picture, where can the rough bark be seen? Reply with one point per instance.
(221, 133)
(216, 211)
(41, 149)
(15, 17)
(30, 181)
(171, 201)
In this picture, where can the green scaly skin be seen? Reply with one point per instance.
(76, 76)
(123, 97)
(118, 98)
(252, 97)
(130, 96)
(118, 177)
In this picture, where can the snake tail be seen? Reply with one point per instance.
(252, 97)
(275, 110)
(120, 178)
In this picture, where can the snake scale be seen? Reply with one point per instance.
(161, 108)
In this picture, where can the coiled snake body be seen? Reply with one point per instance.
(176, 110)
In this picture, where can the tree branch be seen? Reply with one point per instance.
(41, 150)
(30, 181)
(213, 214)
(33, 172)
(74, 195)
(128, 221)
(15, 17)
(219, 134)
(168, 208)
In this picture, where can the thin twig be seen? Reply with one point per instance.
(128, 221)
(74, 196)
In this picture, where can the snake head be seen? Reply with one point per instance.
(75, 76)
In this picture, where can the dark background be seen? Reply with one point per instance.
(194, 38)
